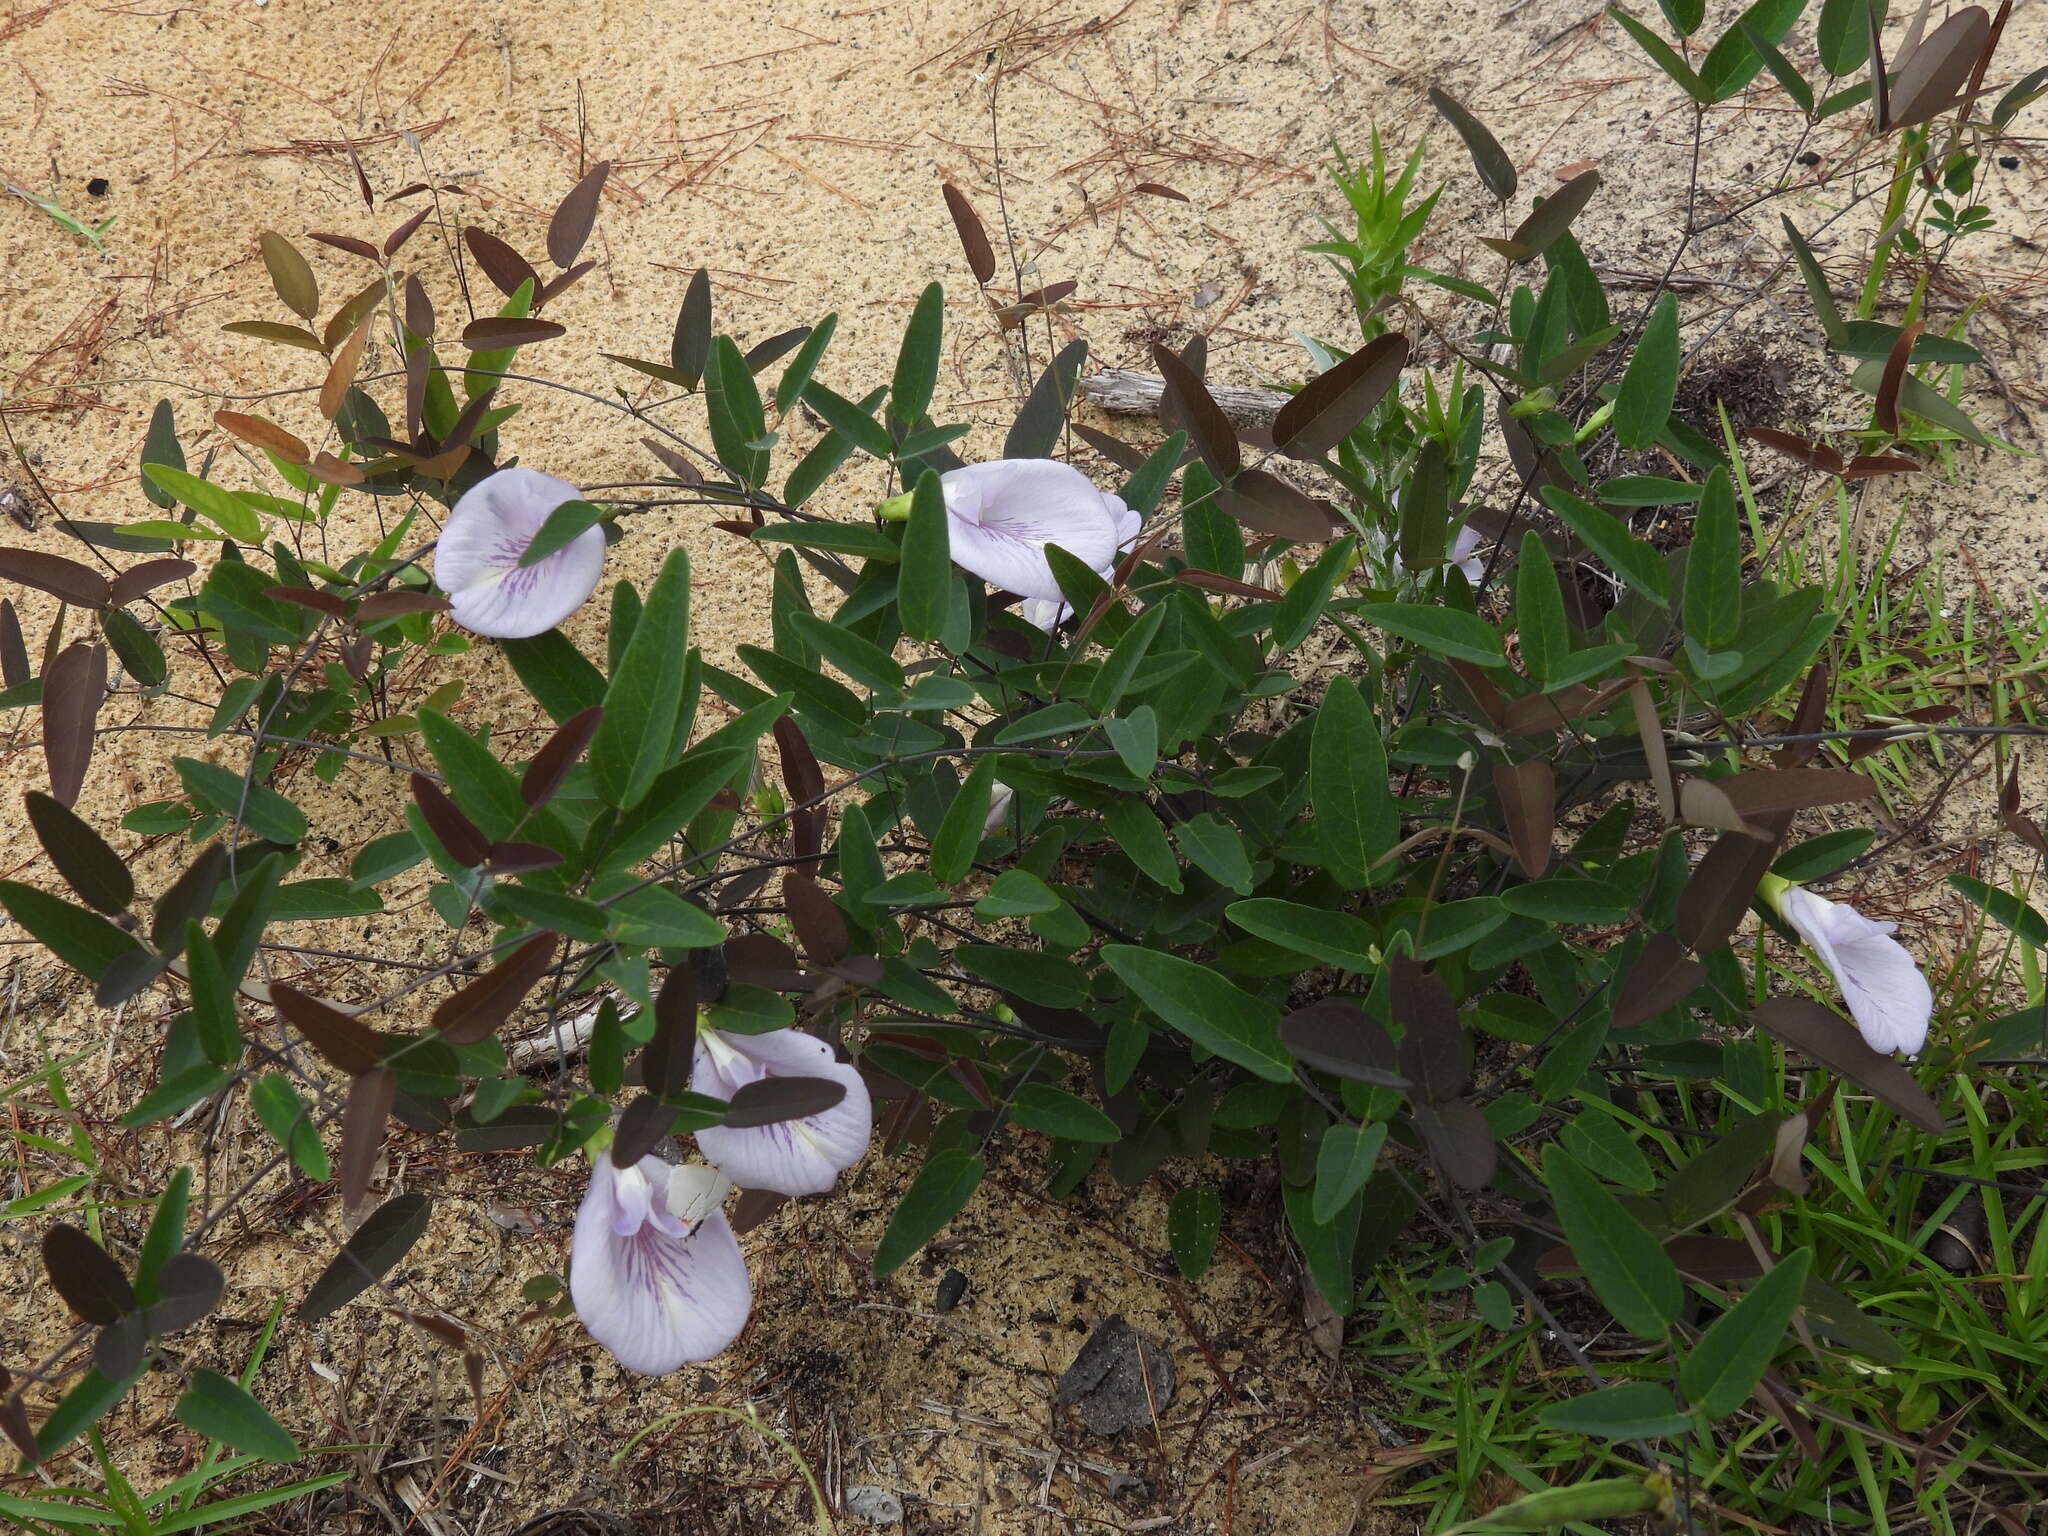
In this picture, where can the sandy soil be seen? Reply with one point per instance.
(798, 155)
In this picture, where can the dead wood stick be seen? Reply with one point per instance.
(1125, 392)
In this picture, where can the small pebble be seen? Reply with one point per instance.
(876, 1506)
(1809, 158)
(2009, 162)
(952, 1286)
(98, 186)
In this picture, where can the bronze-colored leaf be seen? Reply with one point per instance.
(1528, 801)
(1662, 977)
(273, 330)
(551, 764)
(575, 215)
(266, 435)
(1460, 1140)
(520, 858)
(74, 687)
(1553, 216)
(305, 597)
(395, 241)
(419, 309)
(341, 371)
(480, 1009)
(389, 605)
(79, 854)
(353, 313)
(79, 585)
(14, 663)
(772, 1100)
(1933, 75)
(1867, 466)
(665, 1063)
(673, 461)
(1814, 455)
(762, 960)
(505, 267)
(348, 243)
(1894, 378)
(1209, 581)
(1188, 399)
(755, 1206)
(1488, 158)
(1720, 887)
(1435, 1055)
(1808, 718)
(1836, 1044)
(805, 782)
(1125, 456)
(495, 332)
(363, 1118)
(981, 257)
(86, 1276)
(465, 842)
(561, 282)
(1757, 792)
(290, 276)
(1267, 504)
(1330, 406)
(1336, 1035)
(642, 1125)
(1714, 1260)
(1656, 755)
(141, 580)
(14, 1419)
(820, 925)
(349, 1045)
(1155, 189)
(1703, 803)
(2022, 827)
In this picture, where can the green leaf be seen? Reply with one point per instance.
(960, 832)
(1194, 1219)
(1206, 1008)
(1723, 1368)
(1608, 537)
(285, 1116)
(83, 1406)
(1844, 35)
(796, 378)
(213, 999)
(261, 809)
(561, 678)
(85, 860)
(1685, 16)
(222, 508)
(2009, 911)
(917, 361)
(378, 1244)
(165, 1237)
(689, 348)
(1633, 1277)
(924, 585)
(1732, 62)
(567, 523)
(942, 1187)
(223, 1410)
(1137, 832)
(1216, 848)
(1648, 388)
(161, 447)
(1016, 893)
(1328, 1248)
(1335, 938)
(1445, 631)
(1662, 55)
(1713, 568)
(657, 916)
(572, 916)
(633, 739)
(1356, 818)
(1042, 1107)
(851, 422)
(1348, 1155)
(1630, 1410)
(136, 646)
(866, 663)
(1136, 739)
(1817, 290)
(1540, 621)
(83, 940)
(732, 405)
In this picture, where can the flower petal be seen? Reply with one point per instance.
(656, 1300)
(791, 1157)
(1887, 995)
(476, 559)
(1003, 514)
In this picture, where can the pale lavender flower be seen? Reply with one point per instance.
(476, 560)
(655, 1271)
(1001, 516)
(1464, 555)
(791, 1157)
(1887, 995)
